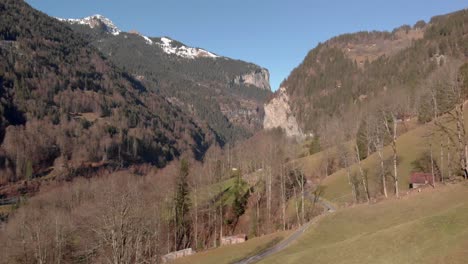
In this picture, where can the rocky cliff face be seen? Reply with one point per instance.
(259, 78)
(278, 114)
(248, 114)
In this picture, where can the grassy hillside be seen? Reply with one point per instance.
(232, 253)
(427, 227)
(411, 146)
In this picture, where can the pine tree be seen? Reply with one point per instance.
(314, 146)
(240, 200)
(182, 207)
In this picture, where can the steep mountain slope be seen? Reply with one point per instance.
(339, 78)
(227, 94)
(63, 106)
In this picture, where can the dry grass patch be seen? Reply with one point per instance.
(232, 253)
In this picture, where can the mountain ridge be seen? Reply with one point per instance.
(164, 42)
(68, 106)
(347, 75)
(226, 94)
(93, 21)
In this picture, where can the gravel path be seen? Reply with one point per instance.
(293, 237)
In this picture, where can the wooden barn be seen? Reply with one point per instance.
(420, 179)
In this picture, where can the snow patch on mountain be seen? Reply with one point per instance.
(148, 40)
(184, 51)
(167, 45)
(93, 21)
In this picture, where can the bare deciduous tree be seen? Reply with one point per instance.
(391, 123)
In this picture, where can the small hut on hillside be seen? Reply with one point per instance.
(420, 179)
(231, 240)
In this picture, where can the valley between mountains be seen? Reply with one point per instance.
(118, 147)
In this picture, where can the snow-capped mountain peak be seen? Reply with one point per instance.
(168, 45)
(183, 51)
(93, 21)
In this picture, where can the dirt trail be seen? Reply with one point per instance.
(329, 208)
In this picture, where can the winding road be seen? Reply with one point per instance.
(293, 237)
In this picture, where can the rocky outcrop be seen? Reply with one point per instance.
(278, 114)
(246, 113)
(95, 21)
(259, 78)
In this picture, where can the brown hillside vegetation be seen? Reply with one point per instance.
(369, 46)
(62, 104)
(143, 213)
(332, 83)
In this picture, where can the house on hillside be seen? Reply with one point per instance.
(420, 179)
(231, 240)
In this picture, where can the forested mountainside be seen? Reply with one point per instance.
(227, 94)
(64, 107)
(350, 74)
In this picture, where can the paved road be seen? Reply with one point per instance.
(330, 208)
(293, 237)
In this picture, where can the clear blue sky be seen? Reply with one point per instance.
(274, 34)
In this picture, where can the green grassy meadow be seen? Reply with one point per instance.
(427, 227)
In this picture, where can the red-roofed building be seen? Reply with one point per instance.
(418, 179)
